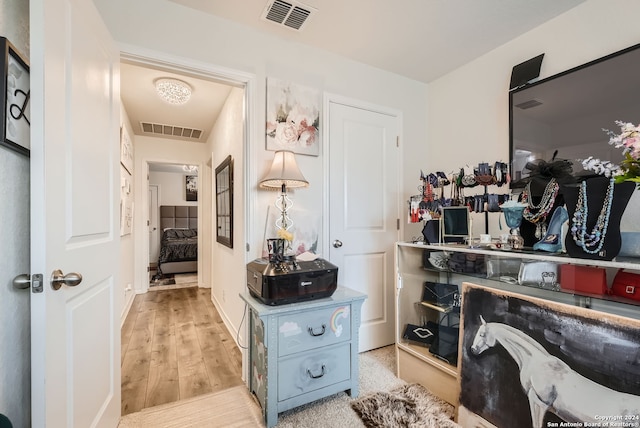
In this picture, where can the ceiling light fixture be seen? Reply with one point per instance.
(173, 91)
(190, 168)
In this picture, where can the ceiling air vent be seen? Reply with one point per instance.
(529, 104)
(290, 14)
(170, 130)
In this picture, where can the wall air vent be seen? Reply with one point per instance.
(170, 130)
(529, 104)
(291, 14)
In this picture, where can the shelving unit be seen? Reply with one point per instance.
(416, 364)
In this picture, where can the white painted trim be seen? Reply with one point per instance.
(138, 55)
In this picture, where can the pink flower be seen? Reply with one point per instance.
(286, 134)
(302, 117)
(308, 137)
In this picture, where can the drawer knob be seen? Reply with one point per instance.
(312, 333)
(312, 376)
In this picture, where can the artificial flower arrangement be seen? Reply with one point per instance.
(286, 235)
(629, 168)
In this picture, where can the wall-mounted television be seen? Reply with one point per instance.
(568, 111)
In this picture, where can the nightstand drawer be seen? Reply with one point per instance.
(312, 329)
(313, 370)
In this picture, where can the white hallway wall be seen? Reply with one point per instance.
(227, 140)
(172, 187)
(173, 30)
(127, 247)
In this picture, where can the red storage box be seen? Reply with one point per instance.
(583, 279)
(626, 284)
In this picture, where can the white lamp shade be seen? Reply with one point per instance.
(284, 170)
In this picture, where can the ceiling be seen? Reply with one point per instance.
(420, 39)
(143, 104)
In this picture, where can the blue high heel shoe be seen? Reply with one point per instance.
(551, 242)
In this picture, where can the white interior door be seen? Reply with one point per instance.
(75, 183)
(364, 212)
(154, 231)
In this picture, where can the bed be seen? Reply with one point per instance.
(179, 242)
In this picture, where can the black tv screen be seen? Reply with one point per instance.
(568, 111)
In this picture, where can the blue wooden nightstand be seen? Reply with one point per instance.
(302, 352)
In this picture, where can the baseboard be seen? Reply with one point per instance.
(127, 308)
(234, 334)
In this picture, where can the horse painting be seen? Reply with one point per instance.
(550, 384)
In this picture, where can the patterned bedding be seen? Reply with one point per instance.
(178, 245)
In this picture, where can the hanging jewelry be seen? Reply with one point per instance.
(543, 208)
(596, 237)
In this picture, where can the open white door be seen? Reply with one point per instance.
(75, 330)
(364, 212)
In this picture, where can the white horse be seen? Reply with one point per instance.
(551, 385)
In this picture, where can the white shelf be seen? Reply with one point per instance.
(630, 263)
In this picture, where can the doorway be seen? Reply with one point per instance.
(369, 224)
(172, 223)
(199, 154)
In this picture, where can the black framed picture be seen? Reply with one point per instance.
(224, 202)
(15, 93)
(191, 183)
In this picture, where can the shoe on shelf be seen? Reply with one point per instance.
(551, 242)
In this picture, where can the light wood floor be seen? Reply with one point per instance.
(175, 346)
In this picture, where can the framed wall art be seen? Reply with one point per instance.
(126, 150)
(15, 93)
(224, 202)
(191, 187)
(293, 117)
(545, 364)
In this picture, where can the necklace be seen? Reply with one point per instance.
(596, 237)
(543, 208)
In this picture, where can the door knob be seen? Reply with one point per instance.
(58, 279)
(22, 282)
(337, 243)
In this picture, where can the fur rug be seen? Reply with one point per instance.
(408, 406)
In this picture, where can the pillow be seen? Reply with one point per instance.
(179, 233)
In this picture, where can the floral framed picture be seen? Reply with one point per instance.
(293, 117)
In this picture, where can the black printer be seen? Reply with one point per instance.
(289, 281)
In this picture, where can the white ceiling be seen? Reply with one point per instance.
(419, 39)
(143, 104)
